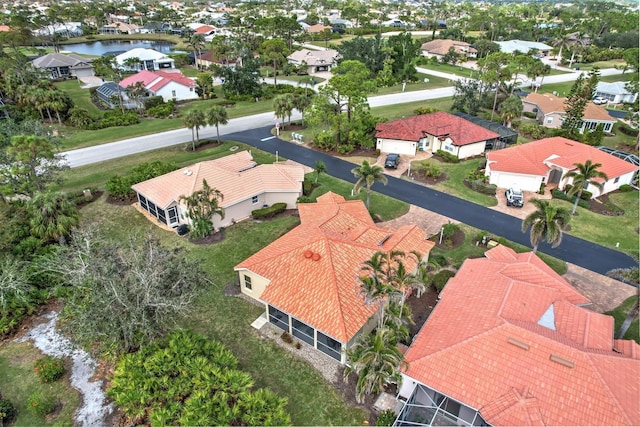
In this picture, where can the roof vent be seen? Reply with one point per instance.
(308, 253)
(518, 343)
(187, 172)
(315, 256)
(562, 361)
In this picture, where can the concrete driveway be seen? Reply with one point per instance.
(405, 160)
(525, 210)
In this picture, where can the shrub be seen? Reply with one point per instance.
(307, 186)
(286, 338)
(557, 194)
(447, 157)
(448, 230)
(153, 102)
(324, 140)
(529, 115)
(49, 369)
(627, 130)
(481, 187)
(7, 411)
(270, 211)
(430, 169)
(439, 259)
(162, 111)
(543, 186)
(441, 278)
(120, 186)
(346, 148)
(41, 404)
(585, 195)
(305, 199)
(386, 418)
(625, 188)
(425, 110)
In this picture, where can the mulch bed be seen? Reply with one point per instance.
(421, 308)
(456, 240)
(128, 201)
(208, 145)
(600, 205)
(417, 176)
(211, 239)
(95, 195)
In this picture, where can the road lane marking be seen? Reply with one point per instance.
(266, 139)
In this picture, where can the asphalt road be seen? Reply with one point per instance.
(573, 250)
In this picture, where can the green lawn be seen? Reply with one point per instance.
(620, 313)
(433, 83)
(81, 97)
(448, 68)
(398, 111)
(18, 381)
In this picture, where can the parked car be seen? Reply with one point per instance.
(514, 197)
(392, 161)
(598, 100)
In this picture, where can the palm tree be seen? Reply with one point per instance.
(194, 120)
(216, 116)
(586, 174)
(301, 103)
(53, 216)
(197, 42)
(368, 175)
(320, 169)
(562, 43)
(202, 205)
(510, 109)
(377, 361)
(547, 222)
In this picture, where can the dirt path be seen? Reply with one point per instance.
(46, 338)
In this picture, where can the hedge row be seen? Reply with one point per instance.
(557, 194)
(270, 211)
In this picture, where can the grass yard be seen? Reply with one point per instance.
(18, 381)
(81, 97)
(399, 111)
(312, 401)
(453, 185)
(609, 230)
(620, 313)
(434, 83)
(448, 68)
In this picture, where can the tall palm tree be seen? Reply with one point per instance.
(319, 169)
(511, 109)
(194, 120)
(368, 175)
(562, 43)
(586, 174)
(546, 222)
(53, 216)
(197, 42)
(216, 116)
(377, 361)
(301, 103)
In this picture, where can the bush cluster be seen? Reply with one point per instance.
(481, 187)
(557, 194)
(449, 229)
(41, 404)
(49, 368)
(386, 418)
(324, 140)
(153, 102)
(162, 111)
(429, 169)
(7, 411)
(441, 278)
(447, 157)
(625, 188)
(119, 187)
(115, 118)
(627, 130)
(270, 211)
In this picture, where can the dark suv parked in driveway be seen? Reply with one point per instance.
(392, 161)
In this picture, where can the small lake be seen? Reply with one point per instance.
(99, 48)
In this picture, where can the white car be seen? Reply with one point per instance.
(598, 100)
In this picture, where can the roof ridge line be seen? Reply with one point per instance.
(619, 407)
(343, 326)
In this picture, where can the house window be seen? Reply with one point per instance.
(254, 199)
(173, 93)
(172, 213)
(161, 216)
(449, 148)
(615, 181)
(190, 89)
(302, 331)
(329, 346)
(247, 283)
(278, 318)
(549, 120)
(143, 202)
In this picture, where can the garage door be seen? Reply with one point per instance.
(524, 182)
(400, 147)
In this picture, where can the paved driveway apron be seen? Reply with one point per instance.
(573, 250)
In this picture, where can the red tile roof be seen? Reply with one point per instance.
(520, 351)
(461, 131)
(204, 29)
(314, 269)
(155, 80)
(535, 158)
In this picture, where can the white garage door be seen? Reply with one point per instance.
(524, 182)
(400, 147)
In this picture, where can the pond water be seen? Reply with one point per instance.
(117, 46)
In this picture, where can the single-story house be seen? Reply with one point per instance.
(119, 28)
(316, 29)
(547, 161)
(316, 60)
(169, 85)
(148, 59)
(524, 46)
(308, 279)
(439, 47)
(59, 65)
(66, 29)
(433, 132)
(109, 92)
(510, 344)
(550, 112)
(209, 58)
(205, 30)
(155, 27)
(615, 92)
(245, 185)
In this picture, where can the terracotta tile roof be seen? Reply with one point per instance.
(204, 29)
(236, 176)
(155, 80)
(442, 46)
(317, 28)
(322, 289)
(534, 158)
(461, 131)
(549, 103)
(521, 352)
(314, 57)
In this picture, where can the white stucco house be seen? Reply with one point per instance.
(169, 85)
(433, 132)
(316, 60)
(148, 59)
(245, 185)
(548, 161)
(615, 92)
